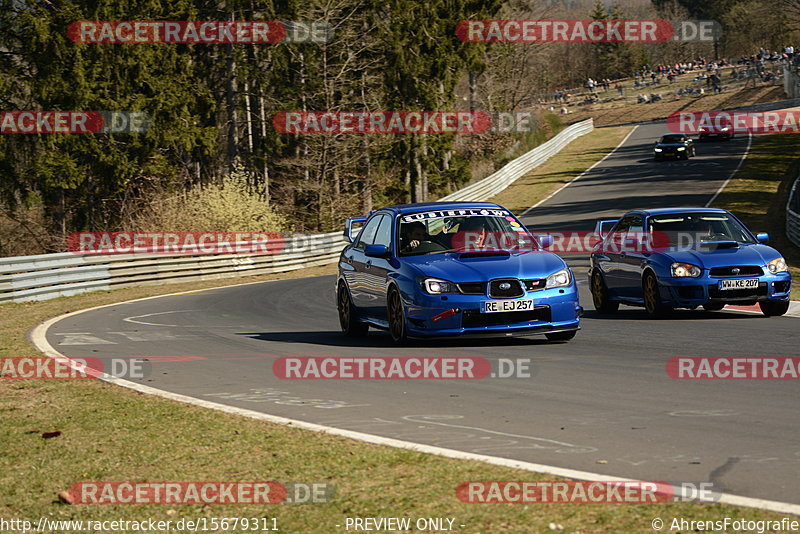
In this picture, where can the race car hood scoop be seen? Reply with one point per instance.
(486, 254)
(717, 245)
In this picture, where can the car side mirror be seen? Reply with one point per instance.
(545, 241)
(376, 251)
(762, 237)
(350, 232)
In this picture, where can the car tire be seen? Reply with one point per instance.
(685, 155)
(652, 296)
(397, 317)
(657, 158)
(774, 308)
(713, 306)
(347, 314)
(600, 297)
(561, 336)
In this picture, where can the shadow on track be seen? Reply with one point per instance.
(380, 339)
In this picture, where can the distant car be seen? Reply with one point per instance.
(722, 131)
(685, 258)
(449, 269)
(674, 146)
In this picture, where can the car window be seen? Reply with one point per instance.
(688, 229)
(621, 228)
(384, 234)
(367, 235)
(673, 139)
(617, 235)
(636, 227)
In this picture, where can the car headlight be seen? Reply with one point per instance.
(659, 150)
(682, 270)
(435, 286)
(681, 148)
(560, 279)
(778, 265)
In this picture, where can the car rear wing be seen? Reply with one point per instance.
(602, 228)
(348, 228)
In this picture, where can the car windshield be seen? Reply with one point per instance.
(437, 232)
(671, 139)
(690, 229)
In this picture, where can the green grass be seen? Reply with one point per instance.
(760, 189)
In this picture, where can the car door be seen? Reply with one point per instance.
(631, 258)
(376, 272)
(356, 259)
(610, 255)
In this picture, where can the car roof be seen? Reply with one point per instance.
(425, 206)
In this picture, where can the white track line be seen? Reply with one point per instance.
(38, 337)
(581, 175)
(730, 177)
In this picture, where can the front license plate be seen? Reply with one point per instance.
(494, 306)
(669, 153)
(745, 283)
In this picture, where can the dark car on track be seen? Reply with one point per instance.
(678, 146)
(451, 269)
(685, 258)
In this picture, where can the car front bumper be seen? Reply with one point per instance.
(670, 154)
(555, 310)
(688, 292)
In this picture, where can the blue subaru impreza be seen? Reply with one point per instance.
(453, 268)
(685, 258)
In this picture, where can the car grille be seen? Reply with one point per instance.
(472, 288)
(474, 318)
(535, 284)
(737, 294)
(514, 291)
(744, 270)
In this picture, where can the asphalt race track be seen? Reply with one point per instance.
(601, 403)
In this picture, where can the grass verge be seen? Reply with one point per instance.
(555, 172)
(760, 189)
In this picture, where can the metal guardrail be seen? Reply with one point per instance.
(793, 214)
(493, 184)
(46, 276)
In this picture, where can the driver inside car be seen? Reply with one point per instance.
(413, 234)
